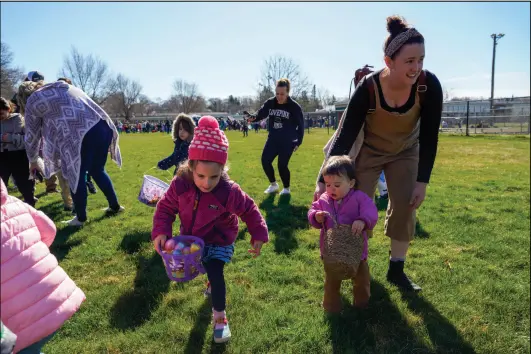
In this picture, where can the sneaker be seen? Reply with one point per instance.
(273, 188)
(91, 188)
(109, 211)
(221, 330)
(74, 222)
(51, 191)
(208, 291)
(285, 191)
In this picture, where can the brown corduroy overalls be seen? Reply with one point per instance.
(391, 144)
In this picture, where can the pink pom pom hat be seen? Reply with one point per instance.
(209, 142)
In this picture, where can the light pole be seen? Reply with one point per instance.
(495, 38)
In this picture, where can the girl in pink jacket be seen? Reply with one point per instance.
(209, 204)
(349, 207)
(36, 295)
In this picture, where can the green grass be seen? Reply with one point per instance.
(471, 256)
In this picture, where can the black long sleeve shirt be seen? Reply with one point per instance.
(430, 120)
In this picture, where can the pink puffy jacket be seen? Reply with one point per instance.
(36, 295)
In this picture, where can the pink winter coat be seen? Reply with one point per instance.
(355, 206)
(37, 296)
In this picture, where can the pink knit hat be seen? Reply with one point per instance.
(209, 142)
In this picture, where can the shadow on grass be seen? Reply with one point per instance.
(381, 328)
(132, 242)
(283, 220)
(420, 231)
(381, 203)
(202, 327)
(241, 234)
(444, 336)
(135, 306)
(61, 245)
(54, 210)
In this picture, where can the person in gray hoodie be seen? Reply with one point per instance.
(13, 152)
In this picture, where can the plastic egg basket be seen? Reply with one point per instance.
(152, 190)
(181, 265)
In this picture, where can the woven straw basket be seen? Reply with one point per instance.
(342, 251)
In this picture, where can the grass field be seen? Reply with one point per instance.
(471, 256)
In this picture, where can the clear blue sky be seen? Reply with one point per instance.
(221, 46)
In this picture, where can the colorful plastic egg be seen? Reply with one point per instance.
(179, 246)
(169, 245)
(195, 247)
(186, 250)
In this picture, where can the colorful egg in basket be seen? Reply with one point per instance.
(152, 190)
(183, 267)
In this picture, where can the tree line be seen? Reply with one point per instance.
(123, 96)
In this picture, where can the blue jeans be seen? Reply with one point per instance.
(36, 348)
(94, 151)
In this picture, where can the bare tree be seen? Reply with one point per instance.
(447, 94)
(10, 76)
(144, 106)
(128, 94)
(187, 95)
(215, 104)
(263, 94)
(277, 67)
(324, 97)
(90, 74)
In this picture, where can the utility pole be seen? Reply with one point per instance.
(495, 38)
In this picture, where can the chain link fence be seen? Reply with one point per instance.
(500, 116)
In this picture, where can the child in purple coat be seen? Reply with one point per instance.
(342, 202)
(209, 204)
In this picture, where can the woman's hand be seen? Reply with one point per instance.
(418, 196)
(159, 242)
(257, 247)
(36, 166)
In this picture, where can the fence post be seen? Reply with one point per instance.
(467, 114)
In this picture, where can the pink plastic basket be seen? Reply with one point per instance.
(152, 190)
(181, 267)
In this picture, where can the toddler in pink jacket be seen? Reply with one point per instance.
(37, 296)
(347, 206)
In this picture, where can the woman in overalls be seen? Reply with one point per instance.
(391, 124)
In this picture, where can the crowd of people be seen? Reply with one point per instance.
(55, 129)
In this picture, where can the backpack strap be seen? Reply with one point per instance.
(372, 94)
(421, 90)
(421, 87)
